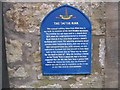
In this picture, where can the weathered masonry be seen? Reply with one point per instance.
(22, 23)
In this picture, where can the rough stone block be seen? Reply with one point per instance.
(111, 64)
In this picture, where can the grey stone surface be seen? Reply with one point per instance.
(20, 72)
(102, 52)
(14, 51)
(24, 35)
(111, 70)
(64, 1)
(22, 42)
(98, 16)
(52, 86)
(96, 54)
(112, 19)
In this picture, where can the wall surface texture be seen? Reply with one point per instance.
(22, 22)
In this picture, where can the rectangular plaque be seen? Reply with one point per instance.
(66, 42)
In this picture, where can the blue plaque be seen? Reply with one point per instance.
(66, 42)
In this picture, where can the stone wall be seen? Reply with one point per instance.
(22, 22)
